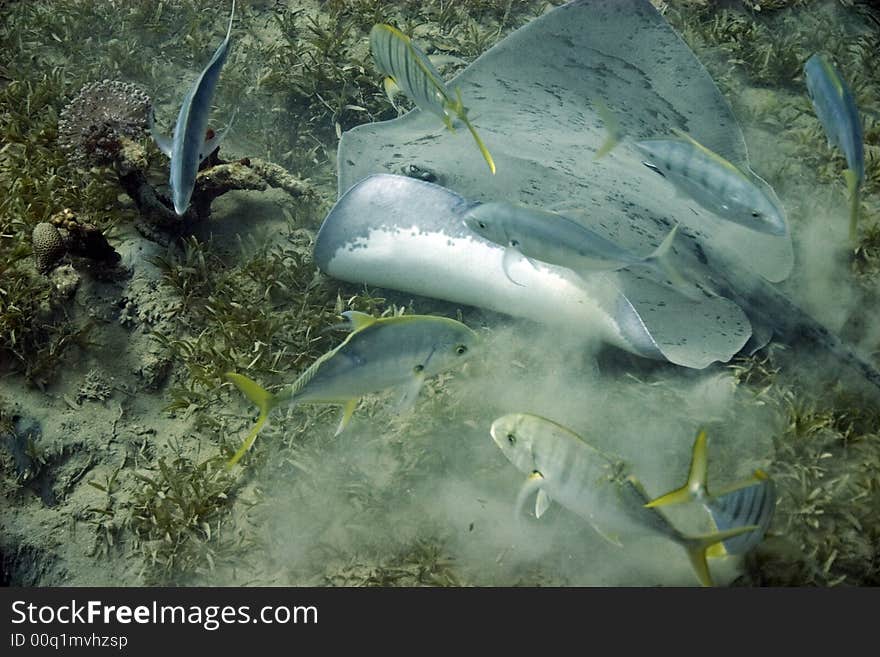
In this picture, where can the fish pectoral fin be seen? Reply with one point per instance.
(658, 171)
(511, 254)
(162, 142)
(695, 488)
(614, 539)
(392, 89)
(347, 411)
(533, 482)
(410, 394)
(213, 143)
(542, 503)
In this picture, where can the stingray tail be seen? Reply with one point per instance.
(792, 324)
(264, 400)
(852, 185)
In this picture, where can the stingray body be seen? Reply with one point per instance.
(537, 94)
(391, 230)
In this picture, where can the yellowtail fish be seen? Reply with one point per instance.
(408, 69)
(834, 104)
(702, 174)
(189, 146)
(748, 502)
(555, 239)
(561, 466)
(379, 353)
(715, 183)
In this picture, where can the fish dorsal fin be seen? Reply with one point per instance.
(358, 319)
(758, 476)
(715, 156)
(294, 388)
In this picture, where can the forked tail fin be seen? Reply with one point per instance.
(697, 546)
(852, 186)
(662, 261)
(461, 112)
(264, 400)
(695, 488)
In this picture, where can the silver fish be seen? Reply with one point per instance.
(748, 502)
(594, 485)
(188, 146)
(380, 353)
(714, 183)
(836, 108)
(553, 238)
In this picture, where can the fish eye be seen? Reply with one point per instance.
(755, 213)
(511, 439)
(514, 243)
(461, 349)
(481, 224)
(418, 368)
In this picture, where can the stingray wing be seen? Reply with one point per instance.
(537, 93)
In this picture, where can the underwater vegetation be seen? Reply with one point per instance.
(94, 261)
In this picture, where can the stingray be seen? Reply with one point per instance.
(536, 97)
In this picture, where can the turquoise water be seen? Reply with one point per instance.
(116, 420)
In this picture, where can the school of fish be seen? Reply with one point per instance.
(402, 352)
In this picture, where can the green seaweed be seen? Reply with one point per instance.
(177, 515)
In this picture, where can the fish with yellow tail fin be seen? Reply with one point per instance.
(834, 104)
(380, 353)
(561, 466)
(749, 502)
(409, 70)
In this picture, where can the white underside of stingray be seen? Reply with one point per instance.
(396, 232)
(533, 98)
